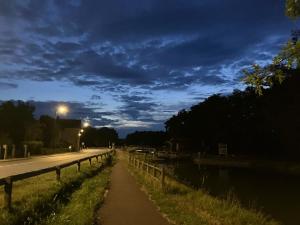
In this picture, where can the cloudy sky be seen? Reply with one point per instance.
(131, 64)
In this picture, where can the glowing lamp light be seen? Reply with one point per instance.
(62, 110)
(81, 130)
(86, 124)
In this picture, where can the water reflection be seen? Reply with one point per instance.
(274, 194)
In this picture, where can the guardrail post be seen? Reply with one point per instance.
(13, 152)
(97, 158)
(7, 193)
(78, 166)
(58, 173)
(90, 160)
(162, 177)
(5, 151)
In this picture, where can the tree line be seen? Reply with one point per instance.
(18, 126)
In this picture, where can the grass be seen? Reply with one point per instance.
(186, 206)
(83, 203)
(37, 198)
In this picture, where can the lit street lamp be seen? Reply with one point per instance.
(61, 110)
(86, 124)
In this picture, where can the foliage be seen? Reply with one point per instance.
(248, 123)
(292, 8)
(15, 119)
(286, 61)
(146, 138)
(49, 131)
(83, 202)
(100, 137)
(34, 147)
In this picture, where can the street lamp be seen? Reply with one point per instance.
(61, 110)
(86, 124)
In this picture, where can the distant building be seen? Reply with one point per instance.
(68, 133)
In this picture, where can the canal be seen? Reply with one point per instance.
(276, 195)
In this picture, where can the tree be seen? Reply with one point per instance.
(49, 131)
(146, 138)
(286, 61)
(16, 118)
(292, 8)
(99, 137)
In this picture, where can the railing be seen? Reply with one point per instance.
(8, 181)
(158, 173)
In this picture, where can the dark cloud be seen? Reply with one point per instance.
(118, 46)
(134, 43)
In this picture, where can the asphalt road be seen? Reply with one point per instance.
(14, 167)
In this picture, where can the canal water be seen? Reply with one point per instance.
(276, 195)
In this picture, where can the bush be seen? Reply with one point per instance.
(34, 147)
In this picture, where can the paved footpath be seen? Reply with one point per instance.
(126, 204)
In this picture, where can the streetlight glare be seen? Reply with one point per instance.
(62, 110)
(86, 124)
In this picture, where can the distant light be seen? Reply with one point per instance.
(81, 130)
(86, 124)
(62, 109)
(79, 134)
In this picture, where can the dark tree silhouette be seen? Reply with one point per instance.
(266, 125)
(99, 137)
(146, 138)
(15, 118)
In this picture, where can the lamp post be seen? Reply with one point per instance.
(60, 110)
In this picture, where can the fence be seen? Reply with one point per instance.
(158, 173)
(8, 181)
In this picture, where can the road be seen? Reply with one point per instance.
(15, 167)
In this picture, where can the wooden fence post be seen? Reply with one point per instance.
(97, 158)
(90, 160)
(7, 193)
(58, 173)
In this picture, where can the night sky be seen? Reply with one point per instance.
(131, 64)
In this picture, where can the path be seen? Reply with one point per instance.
(126, 204)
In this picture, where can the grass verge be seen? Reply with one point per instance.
(83, 203)
(186, 206)
(36, 198)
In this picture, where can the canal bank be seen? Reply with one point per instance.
(185, 205)
(275, 194)
(283, 167)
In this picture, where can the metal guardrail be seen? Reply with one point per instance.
(8, 181)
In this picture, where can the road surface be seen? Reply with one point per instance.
(15, 167)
